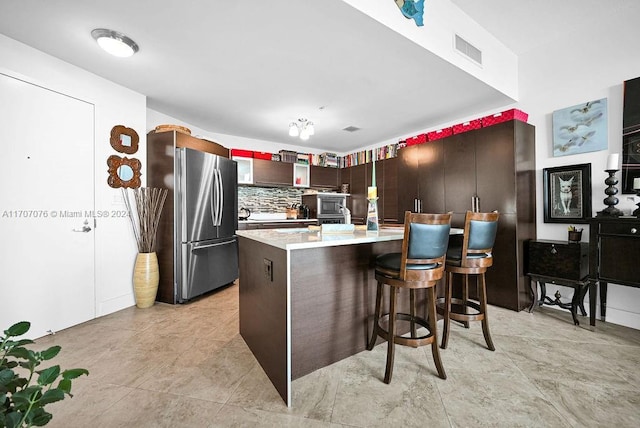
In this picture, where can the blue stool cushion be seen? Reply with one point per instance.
(454, 256)
(391, 261)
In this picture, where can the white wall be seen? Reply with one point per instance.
(442, 20)
(115, 248)
(587, 66)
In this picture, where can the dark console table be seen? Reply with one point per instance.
(614, 255)
(563, 263)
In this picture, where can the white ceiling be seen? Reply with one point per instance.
(251, 68)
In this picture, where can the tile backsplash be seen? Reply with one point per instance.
(268, 199)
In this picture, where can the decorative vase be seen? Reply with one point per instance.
(145, 279)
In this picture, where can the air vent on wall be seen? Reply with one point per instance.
(351, 129)
(468, 50)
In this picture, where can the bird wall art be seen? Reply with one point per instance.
(581, 128)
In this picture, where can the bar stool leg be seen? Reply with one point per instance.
(432, 319)
(391, 334)
(465, 298)
(412, 312)
(447, 310)
(483, 309)
(376, 318)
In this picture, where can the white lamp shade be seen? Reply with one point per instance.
(293, 130)
(117, 44)
(310, 129)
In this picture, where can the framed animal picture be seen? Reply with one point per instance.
(567, 193)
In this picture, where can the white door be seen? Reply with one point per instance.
(46, 198)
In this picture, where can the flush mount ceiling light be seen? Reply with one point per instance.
(117, 44)
(302, 128)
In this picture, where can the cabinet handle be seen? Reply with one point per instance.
(634, 230)
(553, 249)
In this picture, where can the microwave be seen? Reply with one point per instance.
(326, 204)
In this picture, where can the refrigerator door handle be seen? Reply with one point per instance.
(220, 197)
(214, 201)
(203, 246)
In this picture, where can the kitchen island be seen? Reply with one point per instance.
(307, 299)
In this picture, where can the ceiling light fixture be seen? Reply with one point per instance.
(117, 44)
(302, 128)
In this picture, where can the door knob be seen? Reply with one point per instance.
(85, 227)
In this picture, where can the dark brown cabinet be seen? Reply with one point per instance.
(269, 173)
(421, 175)
(323, 177)
(559, 259)
(614, 254)
(360, 180)
(495, 164)
(564, 263)
(388, 191)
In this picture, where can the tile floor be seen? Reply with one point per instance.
(187, 366)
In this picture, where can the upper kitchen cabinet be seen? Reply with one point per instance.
(300, 175)
(388, 190)
(272, 174)
(245, 169)
(323, 177)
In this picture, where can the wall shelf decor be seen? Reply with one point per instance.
(123, 172)
(124, 140)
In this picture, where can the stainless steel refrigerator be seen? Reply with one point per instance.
(206, 218)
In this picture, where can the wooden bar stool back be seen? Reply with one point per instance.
(419, 266)
(472, 258)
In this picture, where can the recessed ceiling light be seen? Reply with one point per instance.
(117, 44)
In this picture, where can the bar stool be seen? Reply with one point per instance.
(419, 266)
(472, 258)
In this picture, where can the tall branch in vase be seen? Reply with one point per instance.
(144, 214)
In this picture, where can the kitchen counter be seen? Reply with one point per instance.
(307, 299)
(298, 238)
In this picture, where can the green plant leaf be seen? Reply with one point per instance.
(23, 342)
(22, 399)
(18, 329)
(50, 353)
(6, 376)
(11, 365)
(49, 375)
(74, 373)
(19, 352)
(51, 396)
(65, 385)
(39, 417)
(13, 419)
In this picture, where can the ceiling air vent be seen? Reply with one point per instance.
(468, 50)
(351, 129)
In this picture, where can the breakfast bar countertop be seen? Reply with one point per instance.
(298, 238)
